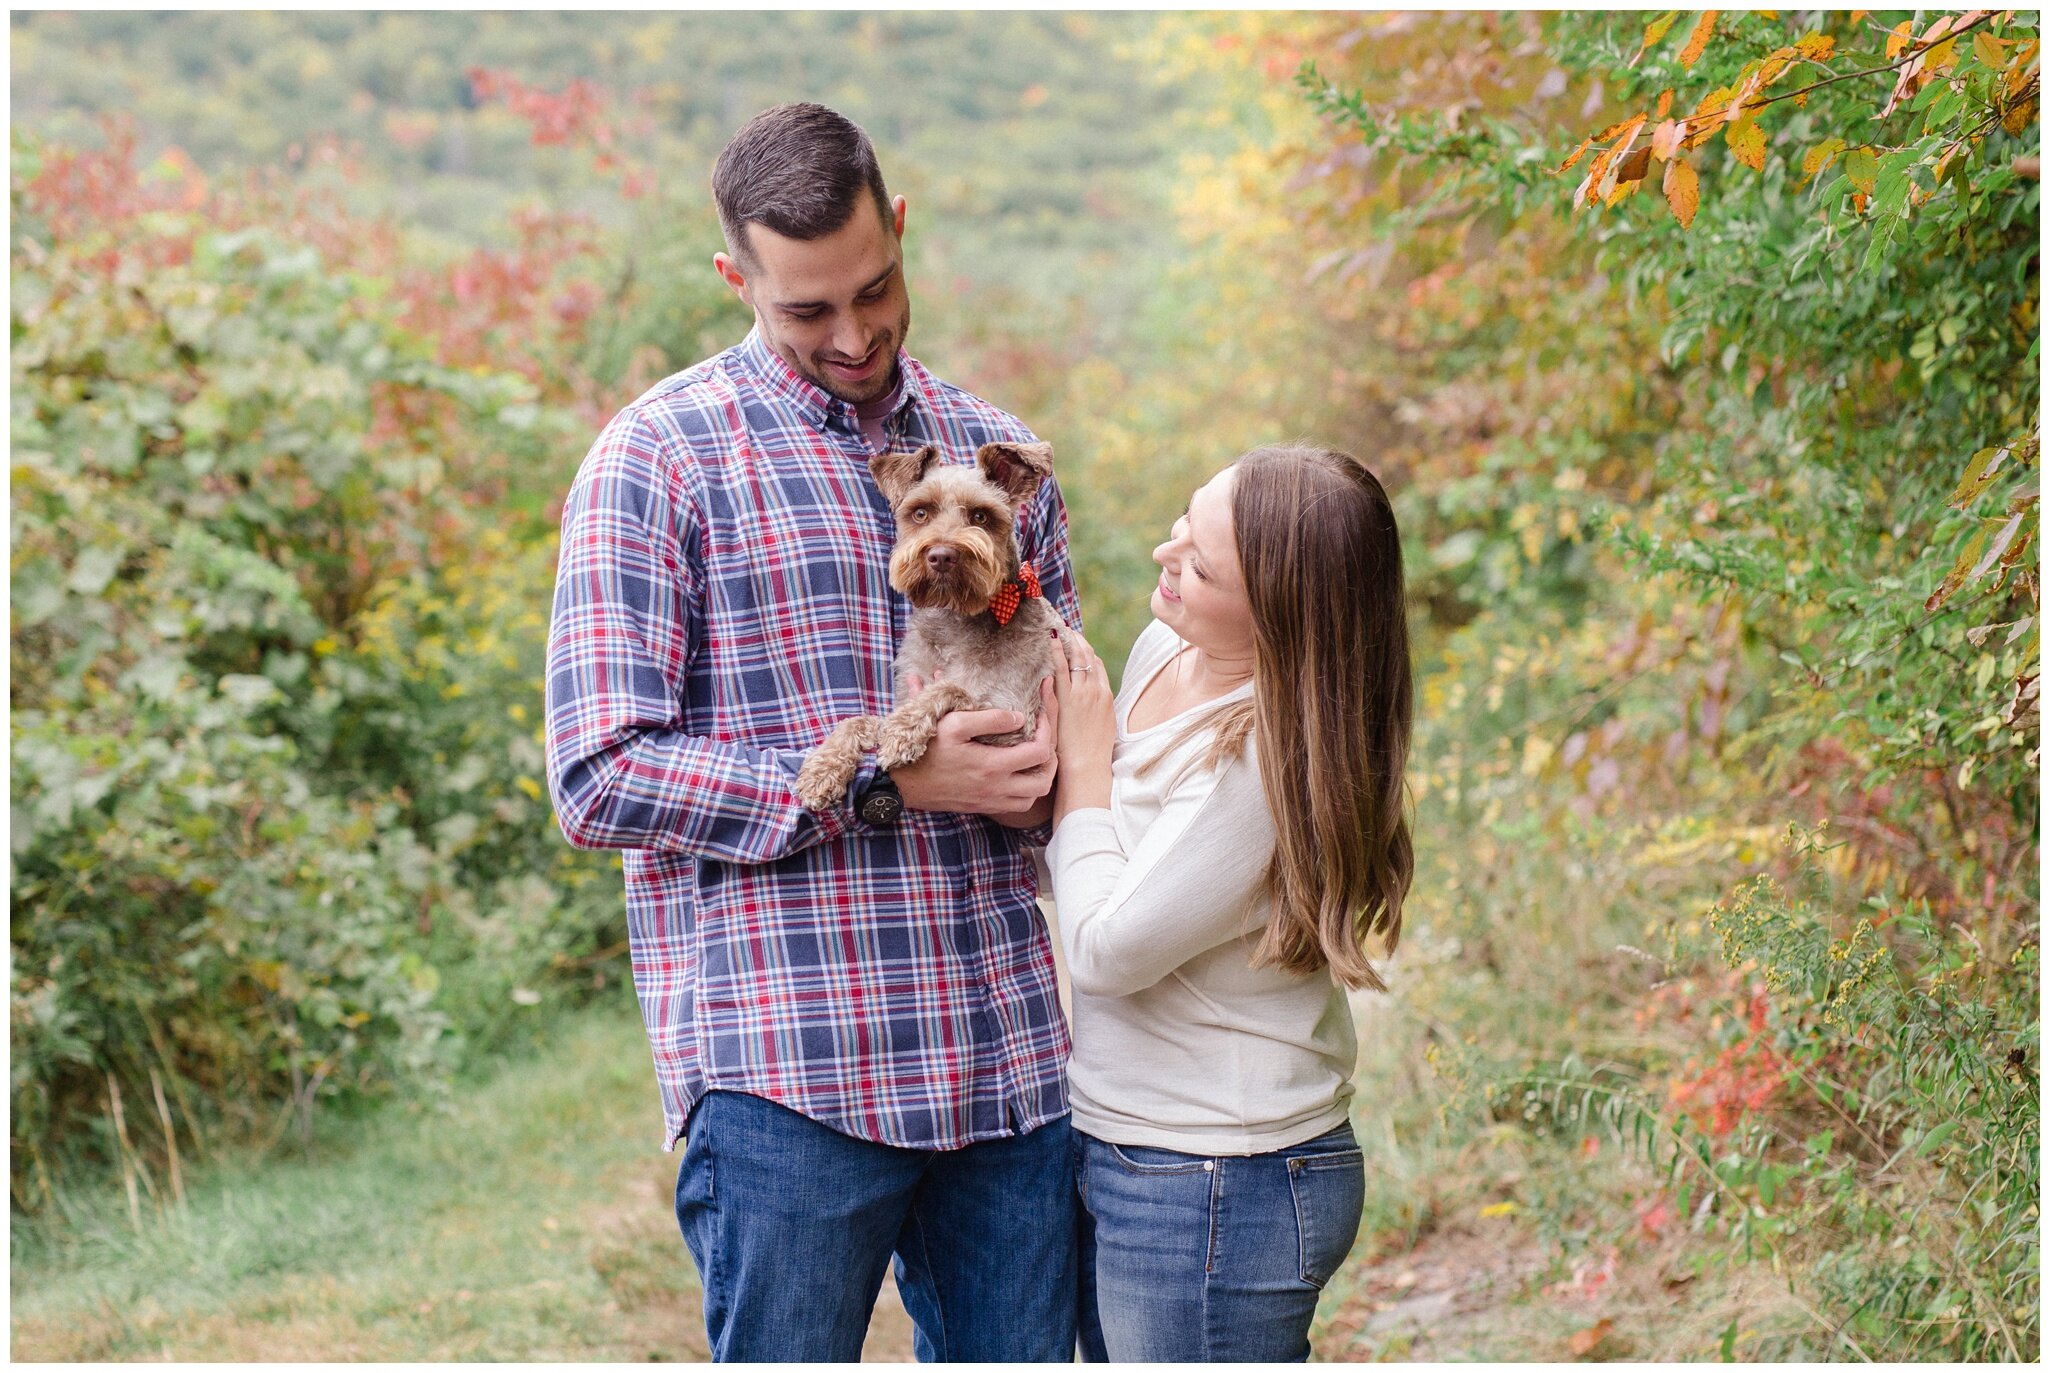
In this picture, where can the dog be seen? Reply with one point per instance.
(982, 636)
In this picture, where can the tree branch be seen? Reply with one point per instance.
(1910, 55)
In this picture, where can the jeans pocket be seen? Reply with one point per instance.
(1328, 1189)
(1154, 1162)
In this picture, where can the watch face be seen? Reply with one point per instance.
(881, 809)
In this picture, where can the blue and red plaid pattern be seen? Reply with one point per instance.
(721, 601)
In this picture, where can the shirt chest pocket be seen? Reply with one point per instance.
(799, 605)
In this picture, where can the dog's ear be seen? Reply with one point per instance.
(1016, 469)
(896, 473)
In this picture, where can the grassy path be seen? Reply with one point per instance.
(530, 1219)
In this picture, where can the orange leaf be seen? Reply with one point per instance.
(1665, 103)
(1716, 109)
(1747, 141)
(1665, 139)
(1897, 41)
(1815, 46)
(1683, 192)
(1859, 16)
(1578, 153)
(1602, 172)
(1698, 42)
(1582, 1342)
(1656, 29)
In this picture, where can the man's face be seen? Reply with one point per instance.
(835, 308)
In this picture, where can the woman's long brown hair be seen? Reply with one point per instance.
(1322, 563)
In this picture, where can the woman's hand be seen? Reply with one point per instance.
(1088, 727)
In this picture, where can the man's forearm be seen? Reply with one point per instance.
(1041, 812)
(669, 790)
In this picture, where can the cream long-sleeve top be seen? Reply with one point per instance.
(1179, 1041)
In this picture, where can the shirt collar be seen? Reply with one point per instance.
(819, 406)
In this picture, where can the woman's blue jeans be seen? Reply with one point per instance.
(1188, 1259)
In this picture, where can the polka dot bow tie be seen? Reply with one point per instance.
(1004, 604)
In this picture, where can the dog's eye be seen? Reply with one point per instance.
(979, 517)
(919, 514)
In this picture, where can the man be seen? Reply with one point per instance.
(853, 1012)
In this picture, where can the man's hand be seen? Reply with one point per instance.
(1049, 729)
(1009, 782)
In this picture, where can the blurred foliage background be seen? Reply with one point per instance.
(1701, 352)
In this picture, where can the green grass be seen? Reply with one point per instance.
(527, 1218)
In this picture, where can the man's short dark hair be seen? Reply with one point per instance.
(800, 170)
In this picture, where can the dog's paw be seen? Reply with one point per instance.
(823, 780)
(902, 744)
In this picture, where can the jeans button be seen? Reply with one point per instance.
(1209, 1165)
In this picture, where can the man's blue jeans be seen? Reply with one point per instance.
(1192, 1259)
(791, 1223)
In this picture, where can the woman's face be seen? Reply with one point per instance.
(1201, 595)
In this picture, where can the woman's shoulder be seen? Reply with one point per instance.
(1155, 645)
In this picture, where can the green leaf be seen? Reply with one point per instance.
(94, 569)
(1862, 168)
(1935, 1138)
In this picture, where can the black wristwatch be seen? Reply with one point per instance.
(880, 802)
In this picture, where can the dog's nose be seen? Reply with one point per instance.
(940, 559)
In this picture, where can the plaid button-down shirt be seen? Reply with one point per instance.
(721, 601)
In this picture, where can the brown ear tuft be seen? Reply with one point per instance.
(896, 473)
(1016, 469)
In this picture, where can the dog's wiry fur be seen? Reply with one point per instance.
(956, 546)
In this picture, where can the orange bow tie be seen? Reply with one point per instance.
(1004, 604)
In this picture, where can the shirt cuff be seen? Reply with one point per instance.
(842, 817)
(1082, 821)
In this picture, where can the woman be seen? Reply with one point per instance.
(1228, 838)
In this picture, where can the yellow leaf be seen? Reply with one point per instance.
(1897, 41)
(529, 786)
(1704, 28)
(1499, 1209)
(1820, 156)
(1683, 192)
(1657, 28)
(1747, 141)
(1987, 49)
(1815, 46)
(1665, 103)
(1859, 16)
